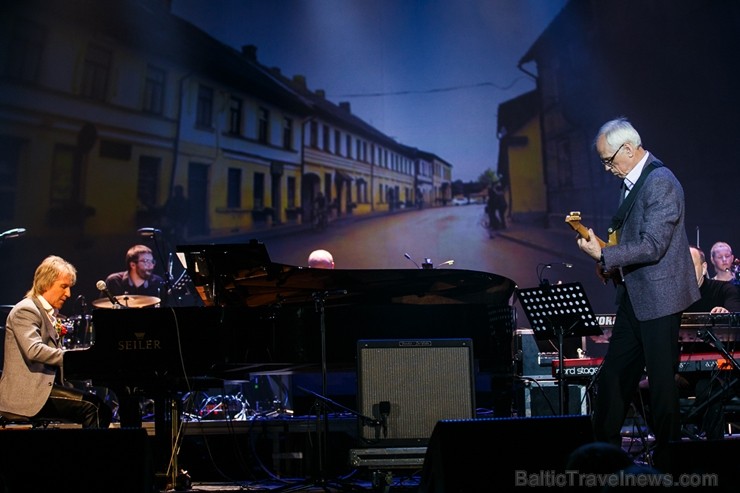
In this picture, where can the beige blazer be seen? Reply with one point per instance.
(33, 355)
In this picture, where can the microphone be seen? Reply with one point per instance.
(412, 260)
(104, 289)
(149, 232)
(13, 233)
(447, 262)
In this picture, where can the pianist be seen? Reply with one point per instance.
(32, 384)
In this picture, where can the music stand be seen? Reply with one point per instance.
(560, 310)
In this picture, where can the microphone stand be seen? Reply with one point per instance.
(167, 274)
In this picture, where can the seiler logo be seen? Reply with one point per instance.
(139, 343)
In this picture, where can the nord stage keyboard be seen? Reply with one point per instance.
(726, 326)
(587, 367)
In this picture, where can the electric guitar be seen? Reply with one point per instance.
(574, 221)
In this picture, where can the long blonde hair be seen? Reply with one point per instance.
(48, 272)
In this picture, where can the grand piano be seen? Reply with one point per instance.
(261, 316)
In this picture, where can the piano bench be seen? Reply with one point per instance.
(7, 418)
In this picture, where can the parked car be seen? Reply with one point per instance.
(459, 201)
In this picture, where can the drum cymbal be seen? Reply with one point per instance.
(128, 301)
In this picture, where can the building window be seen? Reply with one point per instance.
(154, 90)
(263, 126)
(287, 133)
(348, 145)
(234, 188)
(147, 182)
(235, 116)
(23, 58)
(204, 111)
(325, 136)
(259, 191)
(313, 138)
(337, 142)
(95, 72)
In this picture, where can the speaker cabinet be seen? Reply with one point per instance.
(461, 458)
(711, 464)
(79, 460)
(406, 386)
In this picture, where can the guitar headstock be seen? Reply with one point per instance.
(573, 219)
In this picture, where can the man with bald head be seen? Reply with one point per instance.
(320, 259)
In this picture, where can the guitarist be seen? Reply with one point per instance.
(658, 284)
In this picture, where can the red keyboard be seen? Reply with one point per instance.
(587, 367)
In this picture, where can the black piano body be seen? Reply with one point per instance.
(259, 316)
(143, 346)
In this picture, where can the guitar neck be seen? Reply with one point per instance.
(583, 232)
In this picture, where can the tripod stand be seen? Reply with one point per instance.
(561, 311)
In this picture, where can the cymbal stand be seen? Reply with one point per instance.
(169, 282)
(319, 298)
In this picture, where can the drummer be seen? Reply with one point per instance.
(139, 279)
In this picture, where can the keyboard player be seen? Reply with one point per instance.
(716, 297)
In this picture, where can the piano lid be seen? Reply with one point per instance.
(243, 274)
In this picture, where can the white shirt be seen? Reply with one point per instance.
(634, 174)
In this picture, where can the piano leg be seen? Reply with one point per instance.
(166, 433)
(166, 429)
(129, 409)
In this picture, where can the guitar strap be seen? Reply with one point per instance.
(624, 209)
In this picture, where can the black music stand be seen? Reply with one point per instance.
(560, 310)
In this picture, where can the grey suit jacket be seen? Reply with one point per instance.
(653, 249)
(33, 354)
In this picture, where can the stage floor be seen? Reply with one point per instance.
(278, 455)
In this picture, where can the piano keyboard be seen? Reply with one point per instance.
(688, 319)
(587, 367)
(726, 326)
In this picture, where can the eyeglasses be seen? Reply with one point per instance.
(610, 161)
(147, 261)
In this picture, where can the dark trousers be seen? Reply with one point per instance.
(75, 405)
(636, 347)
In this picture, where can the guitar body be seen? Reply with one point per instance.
(574, 221)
